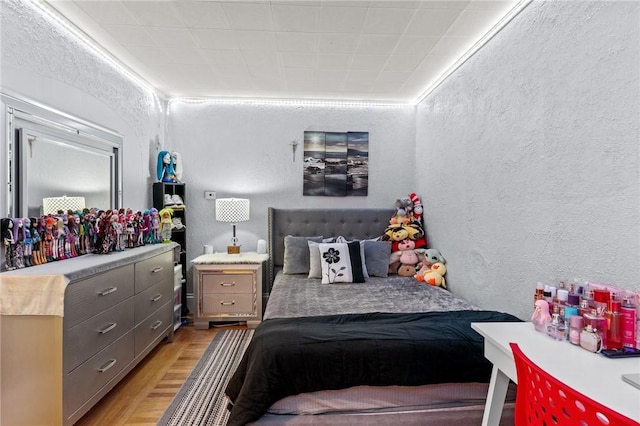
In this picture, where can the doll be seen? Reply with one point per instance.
(61, 236)
(155, 225)
(18, 238)
(35, 238)
(165, 224)
(130, 231)
(8, 243)
(118, 233)
(165, 170)
(177, 165)
(148, 233)
(28, 242)
(46, 236)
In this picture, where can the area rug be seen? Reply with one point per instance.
(201, 399)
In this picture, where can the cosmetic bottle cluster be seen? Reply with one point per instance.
(595, 316)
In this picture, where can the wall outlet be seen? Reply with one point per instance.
(209, 195)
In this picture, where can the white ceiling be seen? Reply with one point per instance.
(387, 51)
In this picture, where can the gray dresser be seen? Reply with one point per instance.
(116, 309)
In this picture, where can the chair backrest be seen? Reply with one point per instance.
(542, 399)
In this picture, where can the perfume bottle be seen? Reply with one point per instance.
(576, 325)
(590, 340)
(557, 328)
(614, 325)
(628, 323)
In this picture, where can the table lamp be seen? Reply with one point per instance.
(232, 210)
(52, 205)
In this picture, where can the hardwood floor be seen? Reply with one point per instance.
(142, 397)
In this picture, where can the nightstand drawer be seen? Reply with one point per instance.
(232, 303)
(228, 283)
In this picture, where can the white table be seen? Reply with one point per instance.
(594, 375)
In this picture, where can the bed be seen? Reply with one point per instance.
(389, 350)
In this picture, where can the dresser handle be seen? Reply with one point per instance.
(156, 298)
(231, 284)
(158, 269)
(107, 366)
(228, 303)
(108, 328)
(156, 325)
(108, 291)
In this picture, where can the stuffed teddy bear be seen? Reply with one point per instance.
(435, 275)
(404, 260)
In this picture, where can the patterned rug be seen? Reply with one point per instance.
(201, 399)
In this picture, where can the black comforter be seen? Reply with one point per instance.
(294, 355)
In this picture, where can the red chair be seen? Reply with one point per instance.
(542, 399)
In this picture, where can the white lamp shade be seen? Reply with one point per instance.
(51, 205)
(232, 210)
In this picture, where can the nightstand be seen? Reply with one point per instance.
(228, 288)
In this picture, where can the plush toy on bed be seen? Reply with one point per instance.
(427, 258)
(406, 234)
(405, 259)
(403, 209)
(435, 275)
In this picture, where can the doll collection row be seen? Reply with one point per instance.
(38, 240)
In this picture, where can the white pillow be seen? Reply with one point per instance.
(365, 272)
(341, 263)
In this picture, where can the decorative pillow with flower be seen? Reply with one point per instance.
(341, 263)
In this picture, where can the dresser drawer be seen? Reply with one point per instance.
(228, 283)
(153, 327)
(233, 303)
(90, 377)
(152, 299)
(153, 270)
(89, 337)
(83, 299)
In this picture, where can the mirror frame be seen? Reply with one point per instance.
(81, 132)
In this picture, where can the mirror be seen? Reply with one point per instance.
(54, 155)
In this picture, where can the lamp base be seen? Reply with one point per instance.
(233, 249)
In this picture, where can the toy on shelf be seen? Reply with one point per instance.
(166, 171)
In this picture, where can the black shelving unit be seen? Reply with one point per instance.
(177, 235)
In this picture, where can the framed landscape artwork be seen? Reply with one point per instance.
(336, 163)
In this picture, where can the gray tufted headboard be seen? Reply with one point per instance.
(350, 223)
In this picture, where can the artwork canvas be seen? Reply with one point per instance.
(336, 163)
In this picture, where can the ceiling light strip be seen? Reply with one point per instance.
(61, 22)
(291, 102)
(469, 53)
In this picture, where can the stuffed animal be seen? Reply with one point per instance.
(406, 255)
(427, 258)
(417, 206)
(435, 275)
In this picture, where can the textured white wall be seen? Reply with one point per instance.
(42, 62)
(243, 151)
(530, 155)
